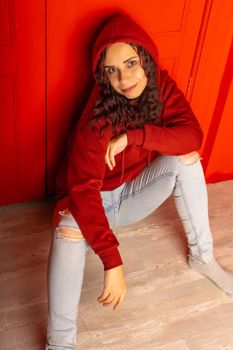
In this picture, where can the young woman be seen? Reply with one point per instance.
(135, 144)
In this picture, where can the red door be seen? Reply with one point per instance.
(212, 94)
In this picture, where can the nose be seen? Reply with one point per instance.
(124, 76)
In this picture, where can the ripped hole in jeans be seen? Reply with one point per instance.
(65, 212)
(190, 158)
(70, 233)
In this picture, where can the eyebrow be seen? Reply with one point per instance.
(128, 59)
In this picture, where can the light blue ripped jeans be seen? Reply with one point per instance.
(125, 205)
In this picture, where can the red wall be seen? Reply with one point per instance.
(45, 77)
(22, 101)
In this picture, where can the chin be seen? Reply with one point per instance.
(133, 96)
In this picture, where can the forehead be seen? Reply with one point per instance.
(119, 52)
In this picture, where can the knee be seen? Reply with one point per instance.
(190, 158)
(70, 233)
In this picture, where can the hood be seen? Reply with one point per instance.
(122, 28)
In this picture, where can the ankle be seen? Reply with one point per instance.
(202, 261)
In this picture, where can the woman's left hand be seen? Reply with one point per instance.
(115, 146)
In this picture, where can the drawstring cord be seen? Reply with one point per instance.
(122, 165)
(148, 159)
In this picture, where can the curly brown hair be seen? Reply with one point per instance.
(117, 109)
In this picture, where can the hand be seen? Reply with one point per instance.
(190, 158)
(115, 146)
(114, 288)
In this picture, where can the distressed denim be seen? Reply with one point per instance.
(125, 205)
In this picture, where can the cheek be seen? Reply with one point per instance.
(140, 74)
(113, 82)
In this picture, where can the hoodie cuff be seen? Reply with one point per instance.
(135, 136)
(111, 258)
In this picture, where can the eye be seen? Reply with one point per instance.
(111, 70)
(132, 63)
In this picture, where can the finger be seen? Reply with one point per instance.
(111, 300)
(111, 156)
(107, 160)
(119, 302)
(104, 300)
(103, 296)
(106, 156)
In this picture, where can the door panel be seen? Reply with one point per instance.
(212, 90)
(220, 165)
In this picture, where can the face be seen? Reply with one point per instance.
(124, 71)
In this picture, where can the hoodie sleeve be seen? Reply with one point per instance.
(180, 133)
(85, 176)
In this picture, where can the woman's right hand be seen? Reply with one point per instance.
(116, 145)
(114, 288)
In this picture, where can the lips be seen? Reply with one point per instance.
(129, 89)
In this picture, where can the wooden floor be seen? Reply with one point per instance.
(167, 306)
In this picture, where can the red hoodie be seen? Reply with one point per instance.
(87, 173)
